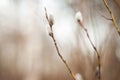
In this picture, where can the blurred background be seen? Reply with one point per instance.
(27, 52)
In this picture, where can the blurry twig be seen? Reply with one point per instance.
(51, 22)
(112, 16)
(106, 18)
(104, 15)
(79, 20)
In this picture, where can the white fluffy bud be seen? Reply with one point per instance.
(97, 71)
(51, 20)
(78, 76)
(79, 17)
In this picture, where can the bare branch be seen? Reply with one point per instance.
(79, 20)
(51, 21)
(112, 16)
(106, 18)
(102, 15)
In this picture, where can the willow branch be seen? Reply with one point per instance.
(98, 73)
(106, 18)
(112, 16)
(50, 21)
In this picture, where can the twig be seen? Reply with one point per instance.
(102, 15)
(98, 56)
(79, 20)
(106, 18)
(50, 21)
(112, 16)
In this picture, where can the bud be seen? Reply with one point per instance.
(78, 76)
(97, 72)
(79, 17)
(51, 20)
(50, 31)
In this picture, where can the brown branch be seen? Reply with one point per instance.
(112, 16)
(98, 73)
(106, 18)
(102, 15)
(50, 21)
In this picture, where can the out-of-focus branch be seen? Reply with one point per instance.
(112, 16)
(106, 18)
(79, 20)
(51, 22)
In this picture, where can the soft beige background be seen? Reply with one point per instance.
(28, 53)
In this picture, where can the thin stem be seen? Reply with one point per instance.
(98, 55)
(56, 46)
(64, 61)
(112, 16)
